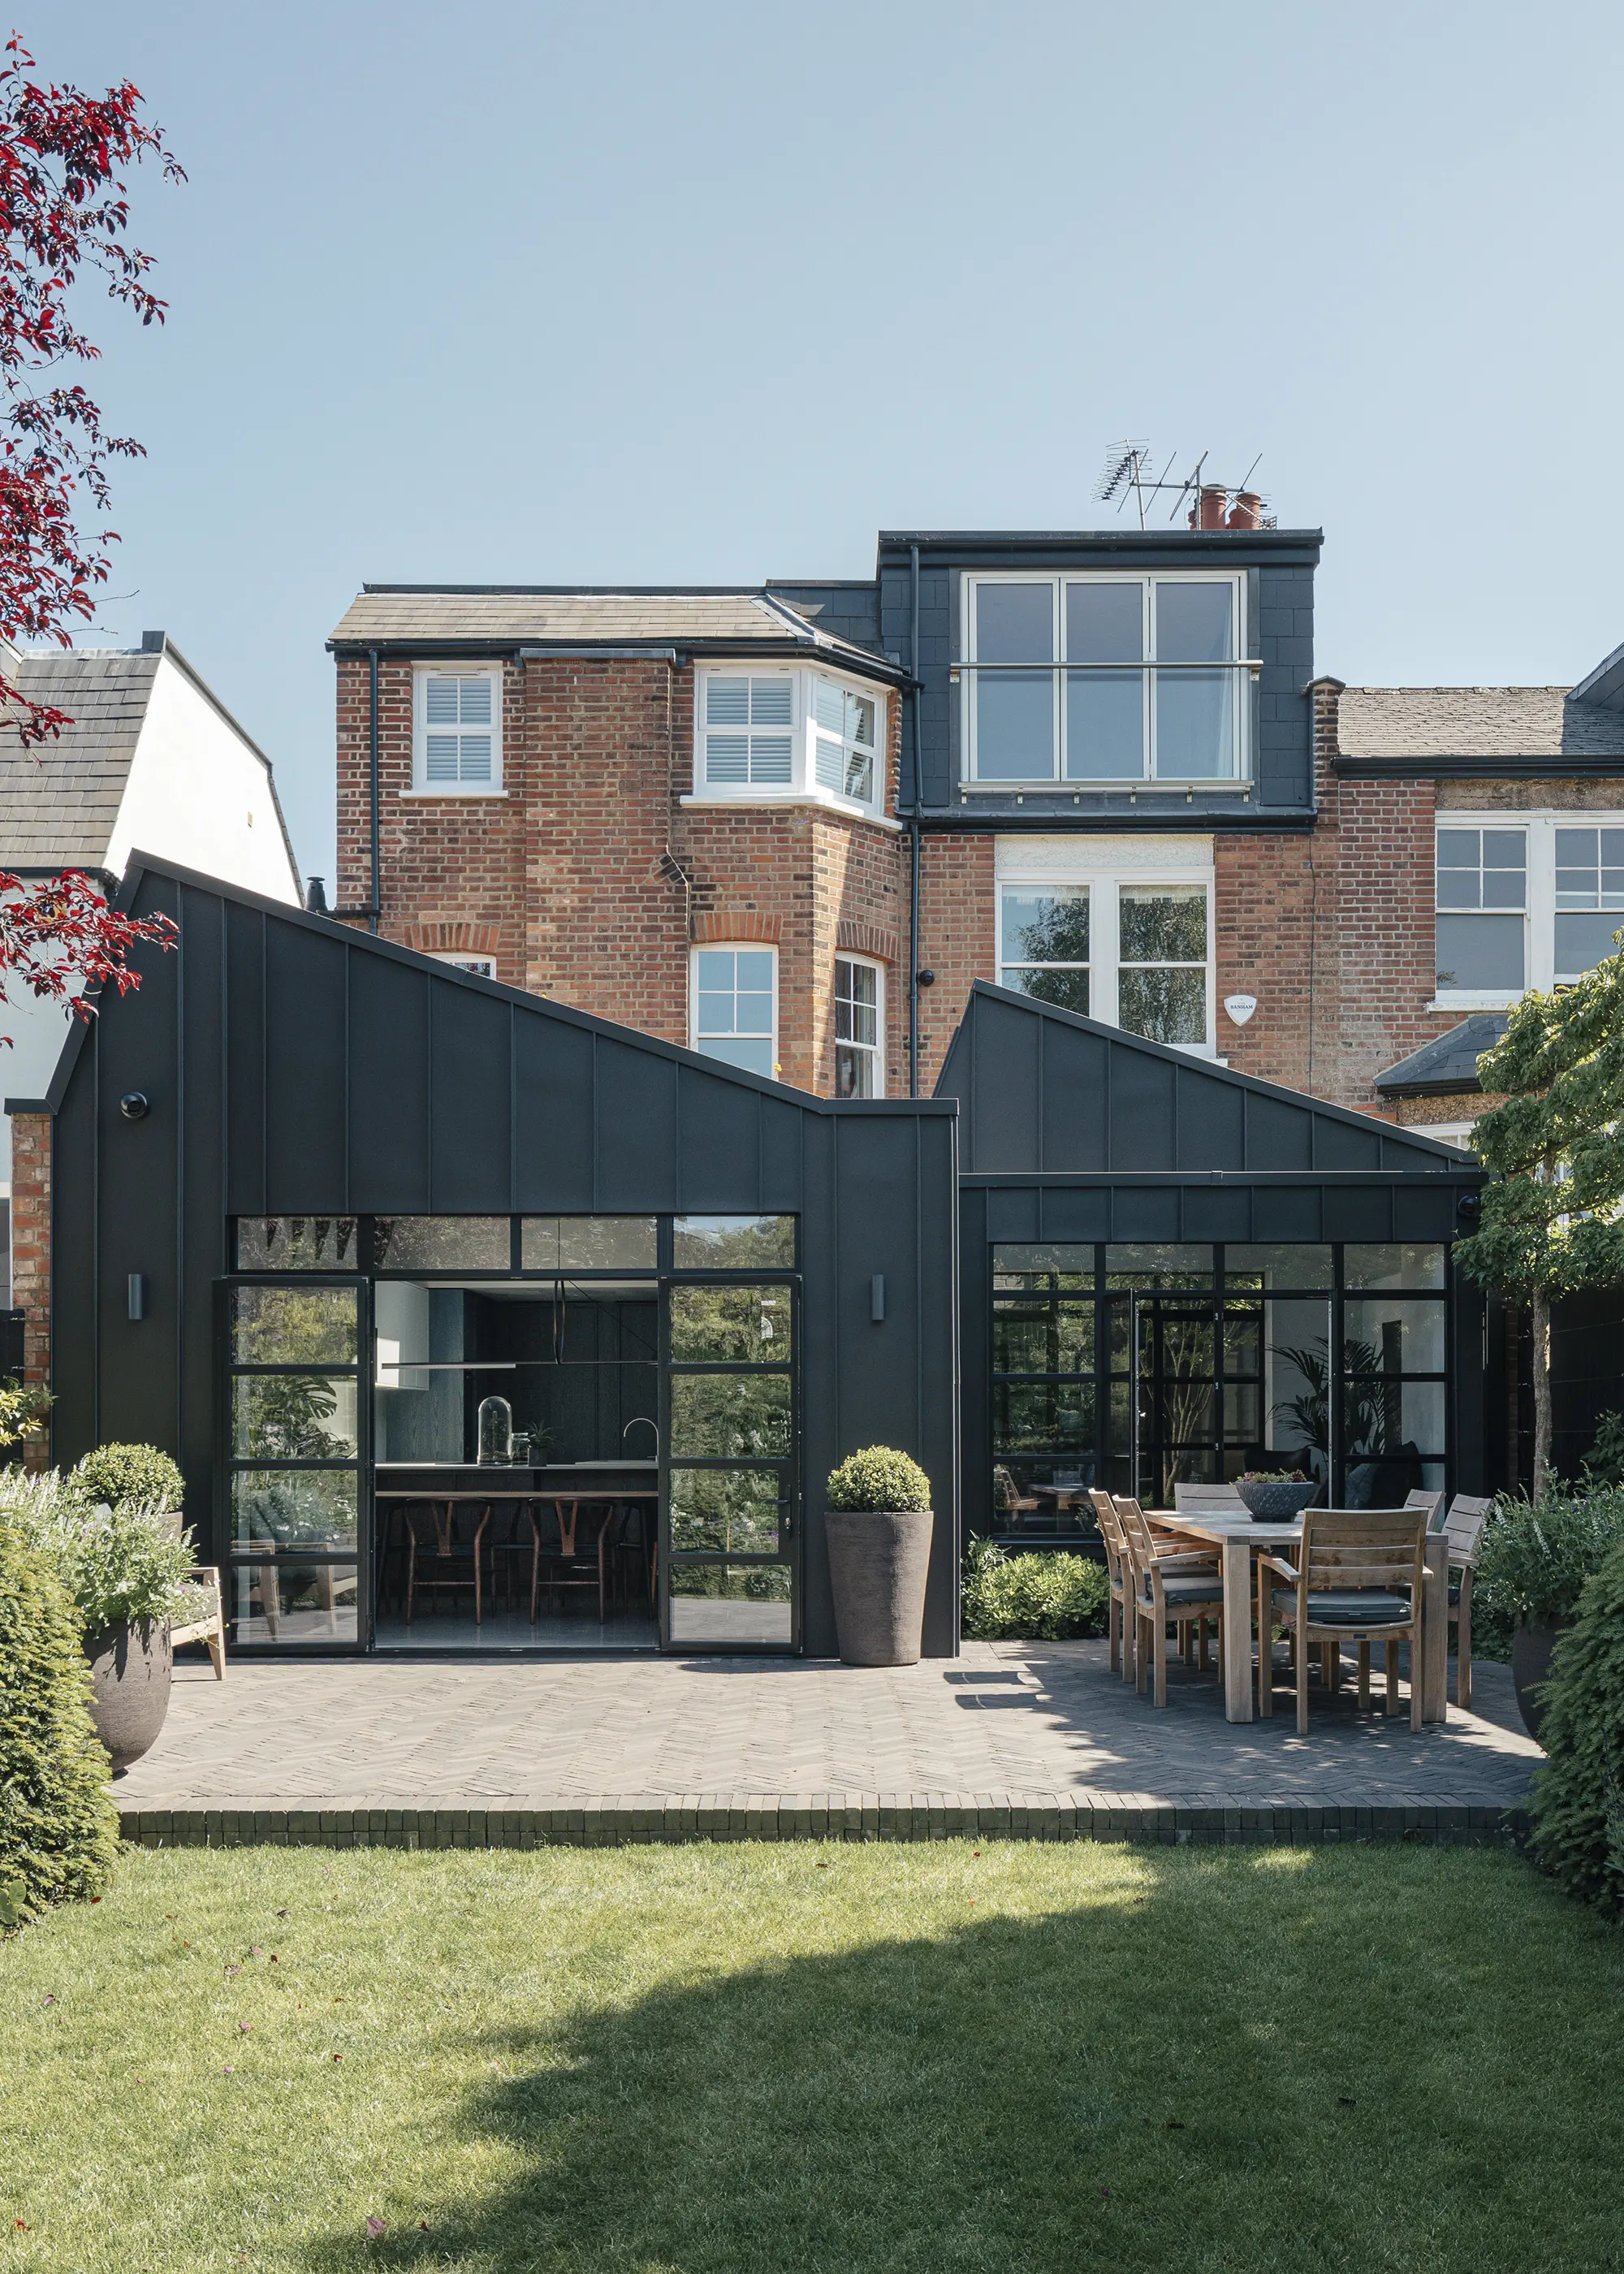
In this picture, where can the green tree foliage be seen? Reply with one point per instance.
(58, 1827)
(1534, 1559)
(1050, 1596)
(1552, 1214)
(879, 1478)
(1578, 1796)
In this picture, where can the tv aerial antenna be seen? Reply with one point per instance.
(1129, 471)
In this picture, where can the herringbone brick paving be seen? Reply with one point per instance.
(662, 1737)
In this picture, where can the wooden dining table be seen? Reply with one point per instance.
(1237, 1537)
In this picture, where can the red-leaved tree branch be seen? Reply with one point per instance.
(63, 215)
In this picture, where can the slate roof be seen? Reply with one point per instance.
(1545, 723)
(59, 803)
(424, 616)
(1448, 1064)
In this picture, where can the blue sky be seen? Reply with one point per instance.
(710, 293)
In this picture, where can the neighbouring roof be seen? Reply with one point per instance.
(1543, 723)
(426, 616)
(59, 803)
(1447, 1064)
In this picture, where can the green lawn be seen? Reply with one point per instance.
(796, 2057)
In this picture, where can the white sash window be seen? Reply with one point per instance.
(456, 730)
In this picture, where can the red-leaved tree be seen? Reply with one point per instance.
(64, 211)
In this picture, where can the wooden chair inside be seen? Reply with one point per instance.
(564, 1561)
(442, 1553)
(1358, 1577)
(515, 1538)
(1171, 1584)
(1119, 1571)
(1007, 1497)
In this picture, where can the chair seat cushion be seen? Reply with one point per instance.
(1190, 1587)
(1357, 1606)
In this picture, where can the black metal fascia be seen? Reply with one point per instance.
(1468, 1173)
(1445, 1086)
(1505, 769)
(969, 548)
(856, 663)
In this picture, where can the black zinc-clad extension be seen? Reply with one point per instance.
(381, 1212)
(1172, 1273)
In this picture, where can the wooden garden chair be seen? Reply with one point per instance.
(1358, 1577)
(210, 1626)
(1170, 1583)
(1209, 1500)
(1463, 1529)
(1119, 1571)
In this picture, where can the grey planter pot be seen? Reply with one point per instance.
(1277, 1502)
(878, 1559)
(1531, 1666)
(130, 1666)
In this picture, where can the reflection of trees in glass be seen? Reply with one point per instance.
(1043, 1339)
(1164, 1006)
(1183, 1383)
(1055, 932)
(1164, 927)
(441, 1243)
(313, 1510)
(282, 1417)
(733, 1243)
(733, 1511)
(723, 1416)
(753, 1583)
(741, 1326)
(285, 1326)
(292, 1243)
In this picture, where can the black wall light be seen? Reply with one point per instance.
(1469, 1208)
(138, 1294)
(134, 1105)
(876, 1297)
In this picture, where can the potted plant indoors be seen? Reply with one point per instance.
(1277, 1495)
(112, 1529)
(878, 1523)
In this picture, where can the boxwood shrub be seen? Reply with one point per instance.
(58, 1826)
(130, 1476)
(1577, 1806)
(1046, 1596)
(879, 1478)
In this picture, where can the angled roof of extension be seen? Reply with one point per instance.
(1043, 1092)
(473, 619)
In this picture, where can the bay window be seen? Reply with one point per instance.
(1104, 679)
(772, 734)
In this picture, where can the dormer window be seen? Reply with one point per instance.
(792, 733)
(1104, 679)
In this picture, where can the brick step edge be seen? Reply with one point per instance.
(993, 1816)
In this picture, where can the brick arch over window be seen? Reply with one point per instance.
(868, 939)
(451, 939)
(737, 923)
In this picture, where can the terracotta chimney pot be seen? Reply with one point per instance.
(1213, 499)
(1247, 511)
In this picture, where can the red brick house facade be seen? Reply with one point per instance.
(605, 860)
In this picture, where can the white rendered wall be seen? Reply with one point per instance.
(198, 794)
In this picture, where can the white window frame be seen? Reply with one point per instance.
(803, 786)
(1539, 913)
(735, 948)
(421, 785)
(1106, 866)
(875, 1051)
(1057, 580)
(483, 966)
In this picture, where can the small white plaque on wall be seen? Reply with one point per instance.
(1240, 1008)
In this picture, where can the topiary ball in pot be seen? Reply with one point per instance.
(131, 1475)
(58, 1827)
(878, 1523)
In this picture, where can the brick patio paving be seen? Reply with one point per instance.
(1038, 1738)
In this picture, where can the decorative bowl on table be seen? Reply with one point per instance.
(1278, 1500)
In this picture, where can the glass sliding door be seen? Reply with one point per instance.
(731, 1434)
(295, 1461)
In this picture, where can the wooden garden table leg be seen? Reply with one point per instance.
(1237, 1630)
(1435, 1630)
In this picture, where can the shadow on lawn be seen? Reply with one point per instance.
(1268, 2059)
